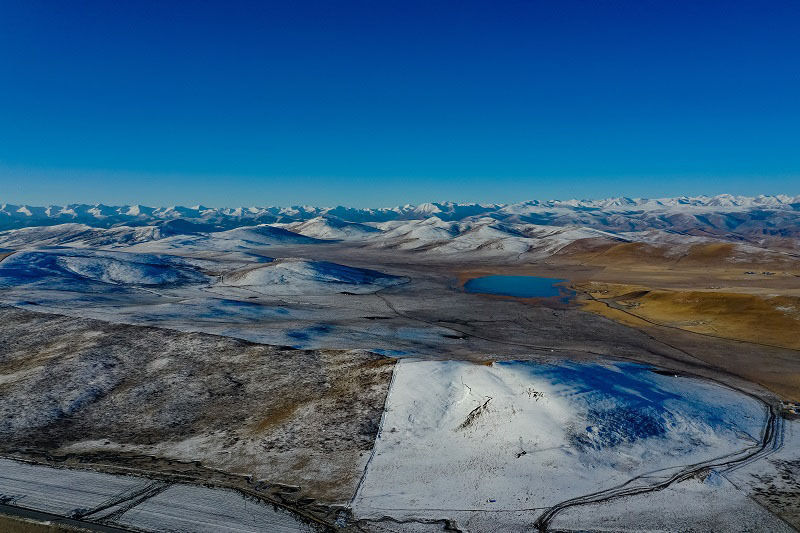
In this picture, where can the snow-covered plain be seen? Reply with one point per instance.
(459, 438)
(187, 508)
(59, 490)
(710, 504)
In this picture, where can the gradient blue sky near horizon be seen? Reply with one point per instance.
(384, 103)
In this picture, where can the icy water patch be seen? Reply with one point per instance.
(519, 286)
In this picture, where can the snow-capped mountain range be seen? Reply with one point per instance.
(627, 214)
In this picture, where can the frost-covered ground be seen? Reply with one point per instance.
(489, 447)
(459, 439)
(76, 386)
(304, 295)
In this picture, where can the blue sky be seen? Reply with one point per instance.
(383, 103)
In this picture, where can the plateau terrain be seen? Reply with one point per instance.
(597, 365)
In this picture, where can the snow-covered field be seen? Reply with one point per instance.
(710, 504)
(59, 490)
(114, 500)
(459, 438)
(188, 508)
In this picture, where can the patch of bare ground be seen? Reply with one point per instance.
(601, 252)
(473, 415)
(762, 319)
(716, 290)
(108, 392)
(11, 524)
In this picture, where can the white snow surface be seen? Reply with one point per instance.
(180, 508)
(332, 228)
(59, 490)
(546, 433)
(188, 508)
(711, 504)
(297, 276)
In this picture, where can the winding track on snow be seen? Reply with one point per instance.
(771, 441)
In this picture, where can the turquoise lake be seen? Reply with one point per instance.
(519, 286)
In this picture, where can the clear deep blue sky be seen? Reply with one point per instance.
(380, 103)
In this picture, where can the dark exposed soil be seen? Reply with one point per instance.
(300, 417)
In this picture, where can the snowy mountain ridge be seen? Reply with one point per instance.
(99, 215)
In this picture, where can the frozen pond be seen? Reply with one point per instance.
(519, 286)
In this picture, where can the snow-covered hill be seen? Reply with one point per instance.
(82, 270)
(297, 276)
(329, 227)
(528, 230)
(458, 438)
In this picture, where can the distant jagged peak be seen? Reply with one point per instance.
(614, 202)
(102, 211)
(136, 210)
(426, 208)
